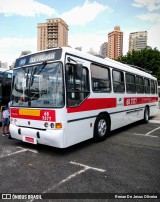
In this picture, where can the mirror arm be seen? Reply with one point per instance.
(70, 59)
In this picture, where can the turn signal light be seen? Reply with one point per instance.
(58, 125)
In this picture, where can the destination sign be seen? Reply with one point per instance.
(42, 57)
(39, 57)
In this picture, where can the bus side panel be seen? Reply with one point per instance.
(78, 129)
(154, 109)
(78, 132)
(124, 118)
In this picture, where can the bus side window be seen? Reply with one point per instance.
(100, 79)
(153, 87)
(130, 83)
(139, 84)
(118, 81)
(147, 86)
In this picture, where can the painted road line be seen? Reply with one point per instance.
(148, 134)
(145, 135)
(85, 168)
(17, 152)
(31, 150)
(20, 151)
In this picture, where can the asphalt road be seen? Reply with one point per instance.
(127, 162)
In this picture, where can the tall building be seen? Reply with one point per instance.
(53, 33)
(104, 49)
(25, 52)
(115, 43)
(3, 65)
(137, 41)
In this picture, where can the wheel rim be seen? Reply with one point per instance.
(102, 127)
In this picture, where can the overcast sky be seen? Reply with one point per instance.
(89, 22)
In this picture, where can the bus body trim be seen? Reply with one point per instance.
(139, 100)
(94, 104)
(42, 115)
(127, 112)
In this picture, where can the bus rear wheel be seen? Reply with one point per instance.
(146, 115)
(101, 128)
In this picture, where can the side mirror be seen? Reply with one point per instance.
(78, 70)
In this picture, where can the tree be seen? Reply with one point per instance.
(147, 58)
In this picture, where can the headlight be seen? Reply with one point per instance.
(13, 121)
(52, 125)
(46, 124)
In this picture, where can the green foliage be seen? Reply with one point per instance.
(147, 58)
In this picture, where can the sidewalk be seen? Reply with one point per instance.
(156, 118)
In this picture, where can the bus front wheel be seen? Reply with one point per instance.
(101, 128)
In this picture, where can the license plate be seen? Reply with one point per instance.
(31, 140)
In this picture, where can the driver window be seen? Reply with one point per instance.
(77, 88)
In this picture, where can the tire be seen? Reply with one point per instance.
(146, 115)
(101, 128)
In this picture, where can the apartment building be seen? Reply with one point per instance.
(53, 33)
(137, 41)
(3, 65)
(115, 43)
(104, 49)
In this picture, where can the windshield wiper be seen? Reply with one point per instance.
(27, 78)
(35, 71)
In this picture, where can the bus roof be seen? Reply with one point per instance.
(92, 58)
(109, 62)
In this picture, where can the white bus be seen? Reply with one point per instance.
(62, 96)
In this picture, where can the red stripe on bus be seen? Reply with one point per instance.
(94, 104)
(139, 100)
(45, 115)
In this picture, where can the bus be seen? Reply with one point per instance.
(62, 96)
(5, 87)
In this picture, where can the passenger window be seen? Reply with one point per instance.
(130, 83)
(146, 86)
(77, 88)
(118, 81)
(153, 87)
(139, 84)
(100, 79)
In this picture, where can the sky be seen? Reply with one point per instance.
(89, 22)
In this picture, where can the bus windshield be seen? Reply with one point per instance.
(38, 86)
